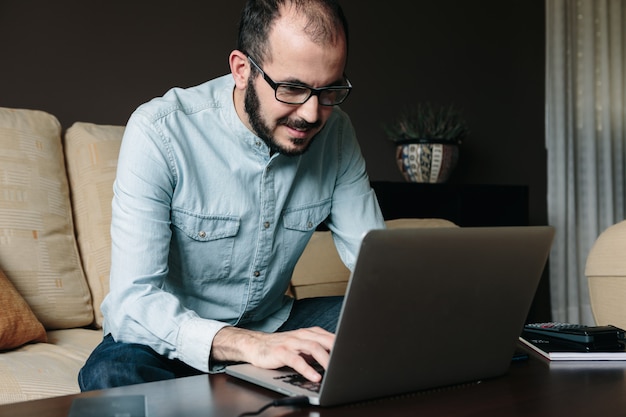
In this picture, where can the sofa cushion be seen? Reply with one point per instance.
(18, 324)
(44, 370)
(38, 251)
(91, 153)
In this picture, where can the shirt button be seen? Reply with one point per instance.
(309, 225)
(257, 143)
(202, 234)
(257, 274)
(266, 225)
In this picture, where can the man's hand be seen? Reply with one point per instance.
(274, 350)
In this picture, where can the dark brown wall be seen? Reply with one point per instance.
(97, 60)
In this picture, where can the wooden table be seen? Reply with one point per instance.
(531, 388)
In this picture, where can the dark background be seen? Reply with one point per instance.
(96, 61)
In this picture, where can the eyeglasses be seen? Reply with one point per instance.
(290, 93)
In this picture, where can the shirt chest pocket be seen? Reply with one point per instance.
(301, 222)
(202, 245)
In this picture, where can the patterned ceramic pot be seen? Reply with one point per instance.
(427, 162)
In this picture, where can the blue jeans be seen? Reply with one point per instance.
(114, 364)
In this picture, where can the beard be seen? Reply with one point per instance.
(252, 106)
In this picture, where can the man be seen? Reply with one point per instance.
(218, 190)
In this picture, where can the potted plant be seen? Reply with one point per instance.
(428, 140)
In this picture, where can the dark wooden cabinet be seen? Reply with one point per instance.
(464, 204)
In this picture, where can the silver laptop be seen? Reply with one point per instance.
(425, 308)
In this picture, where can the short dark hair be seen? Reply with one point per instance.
(325, 21)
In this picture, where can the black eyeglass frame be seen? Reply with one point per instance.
(312, 91)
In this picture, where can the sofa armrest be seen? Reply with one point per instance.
(606, 276)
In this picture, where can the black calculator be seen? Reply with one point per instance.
(593, 336)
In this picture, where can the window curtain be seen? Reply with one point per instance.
(585, 139)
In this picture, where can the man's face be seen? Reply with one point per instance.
(289, 145)
(287, 128)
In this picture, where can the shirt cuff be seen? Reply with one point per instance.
(195, 339)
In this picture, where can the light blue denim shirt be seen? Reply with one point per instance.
(207, 226)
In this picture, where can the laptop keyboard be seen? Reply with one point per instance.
(299, 381)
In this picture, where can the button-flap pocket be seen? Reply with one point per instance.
(306, 218)
(205, 228)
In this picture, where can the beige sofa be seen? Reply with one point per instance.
(55, 194)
